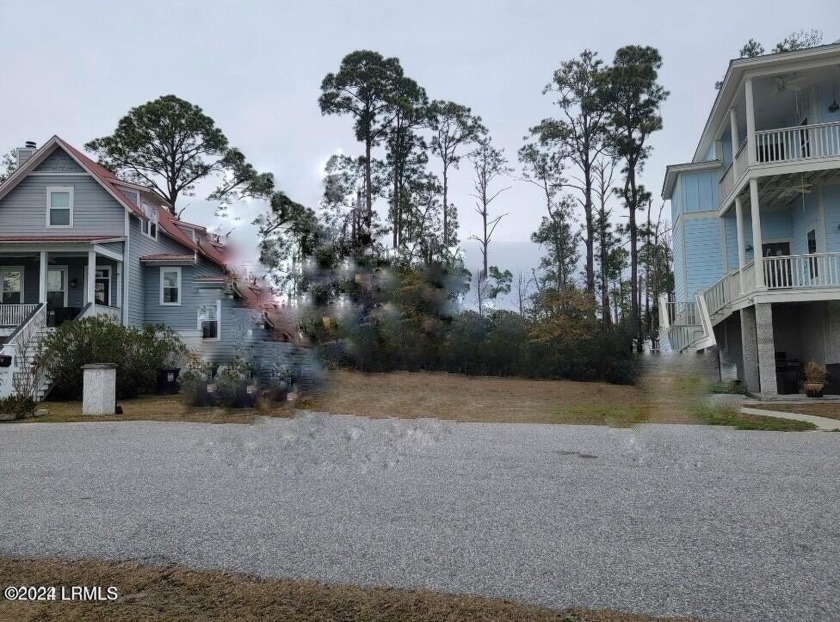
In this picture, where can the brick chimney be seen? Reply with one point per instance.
(25, 152)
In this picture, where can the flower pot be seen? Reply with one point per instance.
(813, 389)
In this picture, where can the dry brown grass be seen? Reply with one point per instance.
(666, 398)
(175, 593)
(830, 410)
(481, 399)
(160, 408)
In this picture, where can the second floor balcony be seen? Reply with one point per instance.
(787, 145)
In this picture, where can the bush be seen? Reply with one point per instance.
(17, 404)
(137, 353)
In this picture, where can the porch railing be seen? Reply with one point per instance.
(682, 314)
(803, 142)
(802, 271)
(727, 182)
(93, 310)
(12, 315)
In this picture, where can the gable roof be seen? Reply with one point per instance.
(111, 183)
(105, 177)
(169, 225)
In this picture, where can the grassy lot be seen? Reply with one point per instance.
(175, 593)
(664, 398)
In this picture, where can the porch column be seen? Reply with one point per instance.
(766, 349)
(733, 131)
(755, 216)
(119, 269)
(42, 282)
(742, 251)
(748, 94)
(91, 276)
(749, 350)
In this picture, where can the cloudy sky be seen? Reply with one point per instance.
(255, 66)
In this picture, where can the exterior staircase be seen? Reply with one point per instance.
(23, 346)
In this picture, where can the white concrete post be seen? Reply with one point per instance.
(758, 253)
(748, 92)
(91, 276)
(742, 251)
(99, 389)
(42, 283)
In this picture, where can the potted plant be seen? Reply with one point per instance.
(814, 379)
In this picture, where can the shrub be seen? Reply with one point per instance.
(17, 404)
(137, 352)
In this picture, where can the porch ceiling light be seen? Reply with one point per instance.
(834, 107)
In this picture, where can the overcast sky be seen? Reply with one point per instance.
(74, 68)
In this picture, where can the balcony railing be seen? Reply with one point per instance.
(12, 315)
(788, 272)
(802, 271)
(733, 173)
(804, 142)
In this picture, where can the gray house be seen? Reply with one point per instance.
(76, 241)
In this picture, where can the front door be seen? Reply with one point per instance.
(102, 286)
(56, 292)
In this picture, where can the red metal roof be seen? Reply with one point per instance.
(169, 224)
(167, 257)
(58, 239)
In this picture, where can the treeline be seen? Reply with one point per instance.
(407, 320)
(390, 209)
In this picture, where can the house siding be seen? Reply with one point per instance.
(704, 259)
(95, 212)
(679, 262)
(59, 162)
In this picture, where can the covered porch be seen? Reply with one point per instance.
(71, 279)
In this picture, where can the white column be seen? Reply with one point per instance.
(42, 283)
(119, 269)
(756, 229)
(748, 93)
(733, 130)
(742, 251)
(91, 275)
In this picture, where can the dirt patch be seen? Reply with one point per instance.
(175, 593)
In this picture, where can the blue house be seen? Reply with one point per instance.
(76, 241)
(756, 222)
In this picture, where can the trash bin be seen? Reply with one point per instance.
(167, 381)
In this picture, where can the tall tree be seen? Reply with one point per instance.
(604, 172)
(543, 167)
(363, 87)
(453, 127)
(579, 132)
(489, 164)
(406, 148)
(169, 144)
(633, 99)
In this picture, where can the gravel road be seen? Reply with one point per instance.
(666, 520)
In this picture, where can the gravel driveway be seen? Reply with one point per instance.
(679, 520)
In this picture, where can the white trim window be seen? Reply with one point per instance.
(210, 321)
(170, 286)
(60, 206)
(149, 228)
(11, 285)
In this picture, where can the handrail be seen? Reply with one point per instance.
(14, 314)
(23, 324)
(83, 312)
